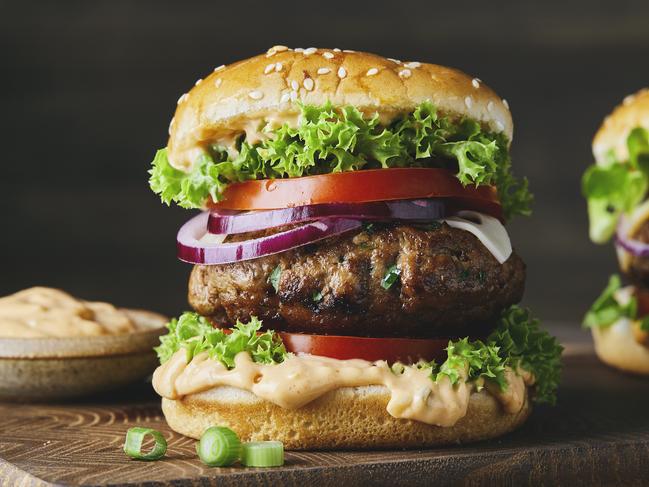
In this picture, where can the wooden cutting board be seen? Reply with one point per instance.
(598, 434)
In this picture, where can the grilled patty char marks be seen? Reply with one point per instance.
(449, 285)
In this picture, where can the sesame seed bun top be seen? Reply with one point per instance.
(612, 135)
(264, 89)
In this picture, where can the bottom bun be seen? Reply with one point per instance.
(350, 417)
(616, 346)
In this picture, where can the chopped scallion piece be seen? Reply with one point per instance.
(135, 438)
(262, 454)
(273, 279)
(391, 276)
(219, 447)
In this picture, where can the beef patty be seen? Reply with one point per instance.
(448, 284)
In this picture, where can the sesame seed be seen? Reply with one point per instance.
(293, 95)
(405, 73)
(335, 49)
(299, 49)
(182, 98)
(275, 49)
(468, 101)
(198, 82)
(476, 83)
(269, 68)
(324, 70)
(500, 126)
(285, 97)
(328, 55)
(218, 82)
(342, 72)
(256, 95)
(348, 50)
(413, 65)
(219, 68)
(372, 72)
(295, 85)
(506, 103)
(309, 51)
(278, 67)
(629, 99)
(171, 124)
(396, 61)
(308, 84)
(490, 106)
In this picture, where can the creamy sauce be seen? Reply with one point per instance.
(513, 398)
(191, 145)
(303, 378)
(256, 130)
(487, 229)
(47, 312)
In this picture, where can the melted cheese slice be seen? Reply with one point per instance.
(488, 229)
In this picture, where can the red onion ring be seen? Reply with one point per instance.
(193, 251)
(413, 210)
(631, 245)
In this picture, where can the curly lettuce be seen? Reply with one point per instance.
(616, 187)
(517, 342)
(330, 140)
(195, 335)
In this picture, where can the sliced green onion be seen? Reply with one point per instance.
(219, 447)
(134, 440)
(273, 279)
(262, 454)
(391, 276)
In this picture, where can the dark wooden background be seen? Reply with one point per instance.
(87, 90)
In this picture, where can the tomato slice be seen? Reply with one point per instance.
(359, 187)
(405, 350)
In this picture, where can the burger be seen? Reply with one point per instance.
(615, 188)
(353, 283)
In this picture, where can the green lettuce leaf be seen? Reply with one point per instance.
(516, 342)
(196, 334)
(606, 310)
(615, 187)
(332, 140)
(482, 360)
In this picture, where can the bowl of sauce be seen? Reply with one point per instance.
(55, 346)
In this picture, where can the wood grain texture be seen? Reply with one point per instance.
(598, 434)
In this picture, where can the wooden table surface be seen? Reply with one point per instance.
(598, 434)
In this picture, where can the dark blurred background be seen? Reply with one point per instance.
(88, 89)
